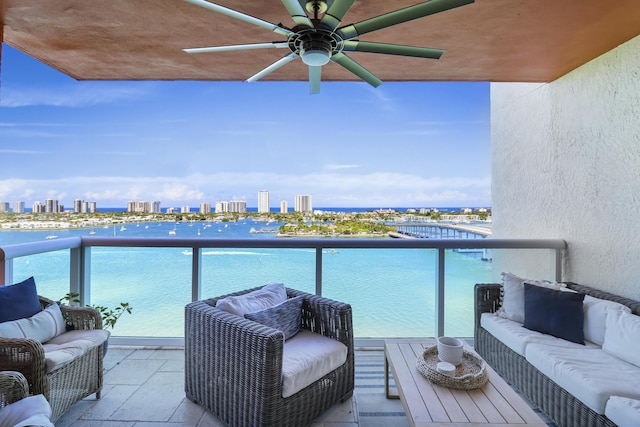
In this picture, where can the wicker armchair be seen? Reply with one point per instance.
(13, 387)
(233, 366)
(68, 384)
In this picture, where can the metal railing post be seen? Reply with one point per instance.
(75, 273)
(319, 271)
(439, 297)
(196, 274)
(6, 269)
(558, 266)
(80, 273)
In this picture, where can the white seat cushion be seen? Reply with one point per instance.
(62, 349)
(30, 411)
(307, 357)
(517, 337)
(623, 411)
(591, 375)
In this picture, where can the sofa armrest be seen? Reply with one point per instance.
(80, 317)
(26, 356)
(486, 300)
(13, 387)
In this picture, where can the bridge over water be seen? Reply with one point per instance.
(440, 231)
(446, 231)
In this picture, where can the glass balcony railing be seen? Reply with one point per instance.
(397, 287)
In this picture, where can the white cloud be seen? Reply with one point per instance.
(328, 189)
(338, 167)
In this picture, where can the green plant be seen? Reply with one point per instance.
(109, 315)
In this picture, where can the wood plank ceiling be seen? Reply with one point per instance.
(489, 40)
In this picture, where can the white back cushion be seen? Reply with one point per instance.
(622, 336)
(595, 317)
(257, 300)
(41, 326)
(512, 301)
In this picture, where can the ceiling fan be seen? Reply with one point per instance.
(318, 38)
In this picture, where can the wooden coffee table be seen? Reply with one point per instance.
(426, 404)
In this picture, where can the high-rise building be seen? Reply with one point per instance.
(77, 205)
(185, 209)
(38, 207)
(51, 206)
(237, 206)
(284, 206)
(263, 202)
(222, 207)
(205, 208)
(303, 203)
(92, 207)
(143, 207)
(4, 206)
(18, 207)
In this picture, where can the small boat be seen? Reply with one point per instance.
(51, 237)
(123, 228)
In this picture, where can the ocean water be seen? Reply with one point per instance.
(392, 292)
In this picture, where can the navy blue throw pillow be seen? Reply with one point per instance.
(554, 312)
(19, 301)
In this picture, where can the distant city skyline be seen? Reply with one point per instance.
(402, 144)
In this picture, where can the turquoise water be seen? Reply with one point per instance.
(391, 291)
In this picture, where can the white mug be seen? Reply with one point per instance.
(450, 350)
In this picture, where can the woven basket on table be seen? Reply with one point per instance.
(470, 374)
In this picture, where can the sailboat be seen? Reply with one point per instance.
(172, 232)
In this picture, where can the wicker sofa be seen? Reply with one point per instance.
(562, 407)
(66, 383)
(234, 366)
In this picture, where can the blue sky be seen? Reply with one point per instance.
(182, 143)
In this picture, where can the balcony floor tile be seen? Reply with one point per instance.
(144, 387)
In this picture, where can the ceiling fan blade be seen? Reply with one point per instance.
(391, 49)
(333, 16)
(315, 75)
(357, 69)
(237, 47)
(279, 63)
(241, 16)
(399, 16)
(297, 13)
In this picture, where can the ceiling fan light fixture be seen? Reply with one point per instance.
(315, 57)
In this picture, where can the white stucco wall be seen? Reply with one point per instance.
(566, 164)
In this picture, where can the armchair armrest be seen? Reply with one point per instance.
(327, 317)
(13, 387)
(230, 351)
(26, 356)
(79, 317)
